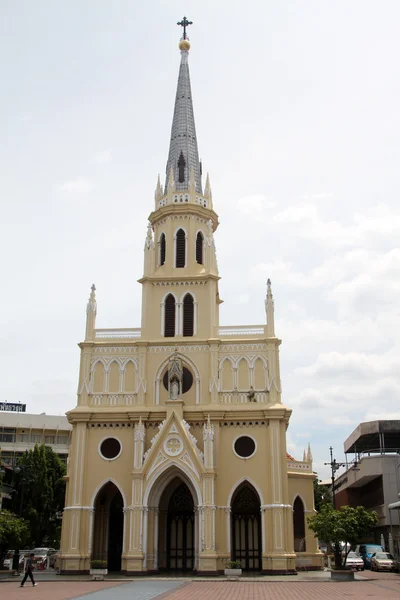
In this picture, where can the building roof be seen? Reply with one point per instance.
(183, 142)
(374, 436)
(32, 421)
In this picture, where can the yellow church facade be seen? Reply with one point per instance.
(178, 458)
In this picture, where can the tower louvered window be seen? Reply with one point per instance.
(180, 249)
(162, 249)
(188, 315)
(199, 248)
(181, 168)
(169, 317)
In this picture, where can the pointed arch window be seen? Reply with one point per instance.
(188, 315)
(299, 526)
(162, 249)
(181, 168)
(180, 249)
(169, 320)
(199, 248)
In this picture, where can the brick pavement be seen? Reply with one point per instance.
(382, 586)
(61, 590)
(358, 590)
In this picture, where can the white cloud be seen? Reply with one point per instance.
(333, 364)
(255, 205)
(77, 186)
(103, 157)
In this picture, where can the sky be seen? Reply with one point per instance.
(298, 123)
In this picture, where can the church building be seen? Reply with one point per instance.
(178, 458)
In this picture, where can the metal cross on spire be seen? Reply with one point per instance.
(184, 23)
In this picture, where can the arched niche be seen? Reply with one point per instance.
(98, 378)
(299, 531)
(108, 527)
(243, 375)
(246, 534)
(113, 377)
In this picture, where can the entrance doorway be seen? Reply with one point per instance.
(108, 526)
(177, 528)
(246, 528)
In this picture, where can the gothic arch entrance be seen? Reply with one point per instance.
(108, 526)
(246, 528)
(177, 528)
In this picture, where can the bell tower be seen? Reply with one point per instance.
(180, 280)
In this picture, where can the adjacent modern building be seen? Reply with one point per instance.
(373, 478)
(21, 431)
(178, 456)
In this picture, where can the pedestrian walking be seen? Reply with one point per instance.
(28, 571)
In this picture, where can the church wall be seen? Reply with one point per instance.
(232, 469)
(98, 470)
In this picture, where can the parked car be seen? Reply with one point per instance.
(367, 550)
(7, 563)
(44, 557)
(382, 561)
(355, 561)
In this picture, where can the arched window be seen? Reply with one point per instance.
(162, 249)
(180, 249)
(188, 315)
(199, 248)
(169, 321)
(298, 526)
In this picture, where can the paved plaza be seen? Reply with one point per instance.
(369, 586)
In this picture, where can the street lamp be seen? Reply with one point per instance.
(334, 465)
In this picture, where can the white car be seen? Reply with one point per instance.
(355, 561)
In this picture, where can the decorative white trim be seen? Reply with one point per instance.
(134, 333)
(102, 484)
(162, 367)
(171, 349)
(78, 508)
(240, 436)
(115, 349)
(157, 484)
(106, 438)
(301, 498)
(252, 483)
(241, 330)
(266, 506)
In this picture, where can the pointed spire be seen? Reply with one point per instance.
(159, 191)
(269, 309)
(304, 456)
(91, 311)
(309, 455)
(207, 189)
(183, 140)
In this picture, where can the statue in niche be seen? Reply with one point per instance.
(174, 389)
(175, 377)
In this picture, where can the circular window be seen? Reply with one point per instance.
(244, 446)
(187, 380)
(110, 448)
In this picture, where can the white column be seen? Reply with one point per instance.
(228, 528)
(145, 531)
(155, 541)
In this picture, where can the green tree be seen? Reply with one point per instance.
(322, 494)
(14, 532)
(344, 526)
(40, 493)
